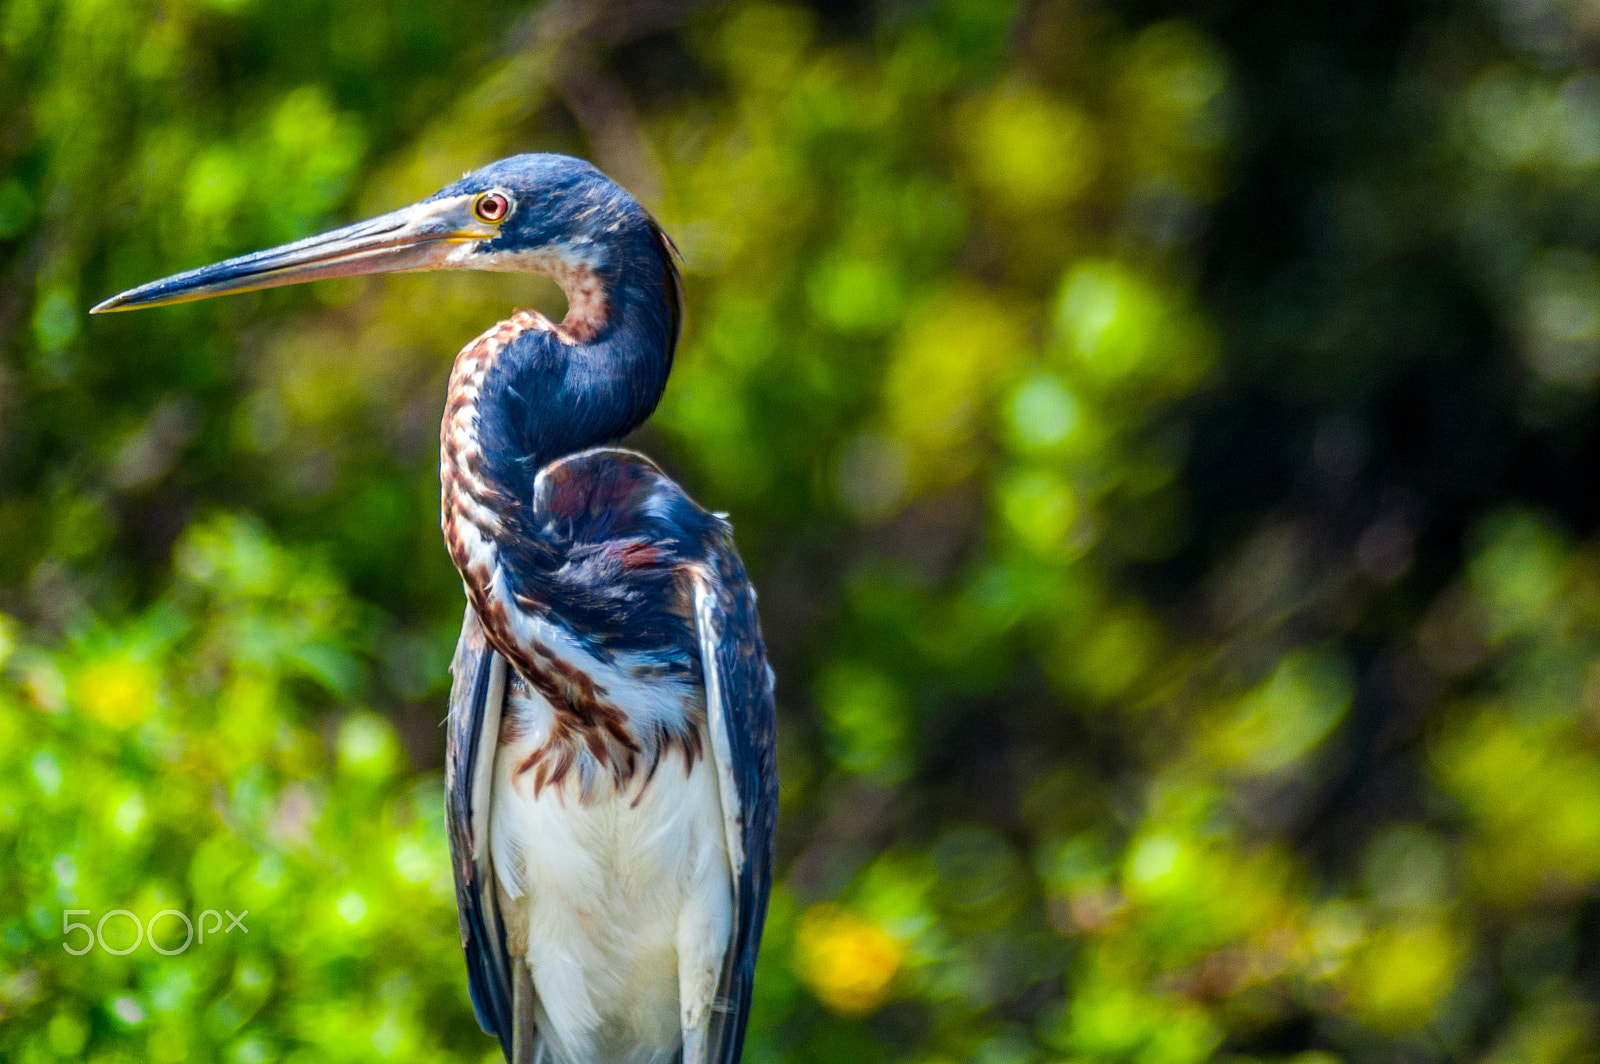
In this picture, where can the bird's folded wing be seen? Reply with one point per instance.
(477, 694)
(739, 710)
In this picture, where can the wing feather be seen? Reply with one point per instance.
(739, 708)
(476, 696)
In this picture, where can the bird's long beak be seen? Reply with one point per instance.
(420, 237)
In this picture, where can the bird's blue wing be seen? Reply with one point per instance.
(477, 694)
(739, 709)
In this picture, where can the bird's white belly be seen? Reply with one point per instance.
(621, 903)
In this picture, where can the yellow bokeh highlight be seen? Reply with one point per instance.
(1039, 508)
(8, 638)
(1548, 1032)
(1029, 149)
(1170, 96)
(117, 691)
(1108, 660)
(1535, 802)
(953, 353)
(1402, 974)
(1121, 327)
(1287, 716)
(845, 960)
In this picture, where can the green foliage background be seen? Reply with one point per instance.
(1163, 437)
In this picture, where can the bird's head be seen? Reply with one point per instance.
(549, 214)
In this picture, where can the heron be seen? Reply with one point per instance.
(610, 778)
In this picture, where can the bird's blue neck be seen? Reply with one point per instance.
(545, 397)
(539, 391)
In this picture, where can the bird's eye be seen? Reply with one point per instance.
(491, 207)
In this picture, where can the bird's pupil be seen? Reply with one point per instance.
(492, 207)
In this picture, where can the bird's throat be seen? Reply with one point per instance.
(589, 303)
